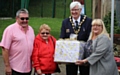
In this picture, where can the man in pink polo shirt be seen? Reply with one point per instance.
(17, 45)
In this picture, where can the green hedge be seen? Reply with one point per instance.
(107, 21)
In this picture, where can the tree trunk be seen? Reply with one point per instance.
(100, 8)
(96, 9)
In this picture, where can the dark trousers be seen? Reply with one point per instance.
(18, 73)
(72, 69)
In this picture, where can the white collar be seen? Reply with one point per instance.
(77, 19)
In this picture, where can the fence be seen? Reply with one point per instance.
(37, 8)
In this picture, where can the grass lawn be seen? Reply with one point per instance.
(54, 23)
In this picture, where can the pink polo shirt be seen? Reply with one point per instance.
(20, 46)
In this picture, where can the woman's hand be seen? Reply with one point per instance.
(81, 62)
(39, 72)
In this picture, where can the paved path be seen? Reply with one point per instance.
(1, 66)
(2, 72)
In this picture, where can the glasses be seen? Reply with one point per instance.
(26, 18)
(96, 25)
(45, 33)
(75, 9)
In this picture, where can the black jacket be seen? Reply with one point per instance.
(85, 29)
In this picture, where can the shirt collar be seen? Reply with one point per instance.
(77, 19)
(20, 27)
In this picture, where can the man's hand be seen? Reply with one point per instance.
(5, 54)
(8, 70)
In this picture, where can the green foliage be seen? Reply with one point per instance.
(107, 21)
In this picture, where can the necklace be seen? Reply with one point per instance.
(76, 31)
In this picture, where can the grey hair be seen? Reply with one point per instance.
(21, 11)
(74, 3)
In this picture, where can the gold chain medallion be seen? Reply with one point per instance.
(76, 31)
